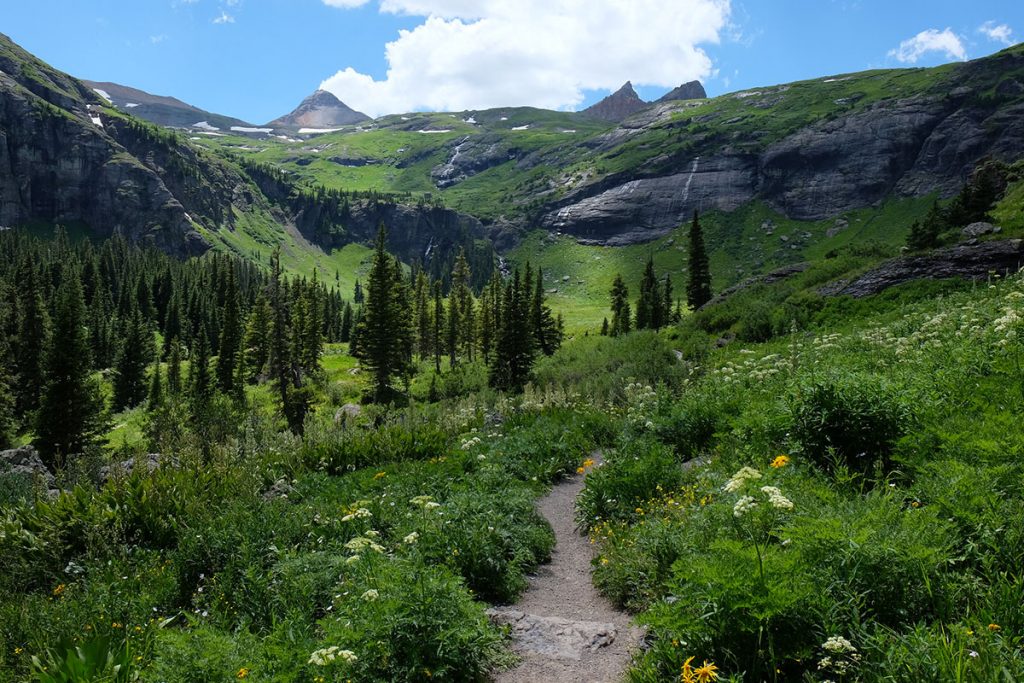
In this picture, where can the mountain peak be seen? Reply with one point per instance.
(320, 110)
(687, 91)
(617, 106)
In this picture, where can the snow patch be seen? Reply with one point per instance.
(104, 94)
(503, 118)
(97, 121)
(405, 118)
(247, 129)
(212, 134)
(744, 95)
(204, 125)
(469, 120)
(314, 131)
(132, 105)
(569, 130)
(521, 127)
(441, 130)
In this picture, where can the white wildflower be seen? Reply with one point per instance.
(743, 506)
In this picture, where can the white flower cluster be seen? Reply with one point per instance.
(641, 401)
(360, 513)
(361, 543)
(411, 538)
(326, 655)
(470, 443)
(743, 506)
(776, 499)
(371, 595)
(752, 370)
(425, 502)
(740, 479)
(840, 658)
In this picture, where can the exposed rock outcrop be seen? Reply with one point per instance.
(617, 106)
(25, 462)
(971, 261)
(914, 146)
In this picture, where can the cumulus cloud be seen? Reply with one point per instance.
(224, 18)
(477, 54)
(1000, 33)
(932, 40)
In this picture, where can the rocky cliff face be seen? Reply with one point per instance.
(59, 164)
(320, 110)
(619, 105)
(902, 147)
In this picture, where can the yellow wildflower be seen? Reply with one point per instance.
(58, 590)
(380, 475)
(780, 461)
(687, 675)
(580, 470)
(242, 673)
(706, 673)
(993, 627)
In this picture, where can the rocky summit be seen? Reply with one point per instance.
(321, 110)
(687, 91)
(621, 104)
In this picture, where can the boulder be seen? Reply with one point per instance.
(980, 228)
(123, 468)
(25, 461)
(349, 411)
(554, 637)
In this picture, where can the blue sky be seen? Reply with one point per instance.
(256, 59)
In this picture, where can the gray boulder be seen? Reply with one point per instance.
(554, 637)
(26, 461)
(980, 228)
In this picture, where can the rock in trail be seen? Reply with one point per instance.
(562, 628)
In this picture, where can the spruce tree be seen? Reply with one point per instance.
(345, 333)
(230, 333)
(698, 286)
(424, 324)
(621, 314)
(925, 234)
(174, 368)
(133, 358)
(648, 304)
(666, 301)
(200, 385)
(439, 325)
(156, 386)
(68, 418)
(32, 338)
(604, 328)
(257, 338)
(515, 348)
(381, 342)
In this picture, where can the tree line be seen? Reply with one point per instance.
(656, 306)
(406, 317)
(72, 315)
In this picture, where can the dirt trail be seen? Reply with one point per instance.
(563, 629)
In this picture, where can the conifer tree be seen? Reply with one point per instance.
(542, 323)
(357, 294)
(230, 333)
(68, 418)
(130, 365)
(648, 304)
(7, 419)
(174, 368)
(698, 286)
(604, 328)
(666, 301)
(156, 386)
(439, 325)
(345, 333)
(199, 383)
(621, 314)
(925, 234)
(257, 338)
(515, 348)
(381, 342)
(424, 326)
(32, 337)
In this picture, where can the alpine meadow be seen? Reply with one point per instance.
(520, 376)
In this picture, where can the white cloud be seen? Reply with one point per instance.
(1001, 33)
(932, 40)
(156, 40)
(224, 18)
(476, 54)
